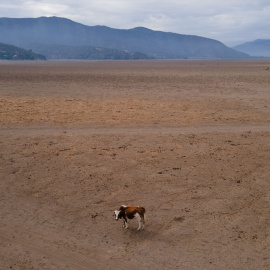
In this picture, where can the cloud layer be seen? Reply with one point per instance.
(230, 21)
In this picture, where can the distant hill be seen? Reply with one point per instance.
(259, 47)
(10, 52)
(30, 32)
(86, 53)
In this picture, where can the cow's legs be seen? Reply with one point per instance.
(125, 224)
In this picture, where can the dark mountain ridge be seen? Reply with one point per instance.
(86, 53)
(10, 52)
(28, 32)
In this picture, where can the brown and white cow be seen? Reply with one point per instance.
(130, 212)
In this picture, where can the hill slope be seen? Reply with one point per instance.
(86, 53)
(10, 52)
(61, 31)
(259, 47)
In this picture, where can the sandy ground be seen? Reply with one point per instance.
(188, 140)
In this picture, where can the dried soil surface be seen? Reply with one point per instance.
(188, 140)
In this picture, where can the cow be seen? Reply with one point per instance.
(130, 212)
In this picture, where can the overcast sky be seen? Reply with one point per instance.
(229, 21)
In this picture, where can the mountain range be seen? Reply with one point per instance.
(46, 34)
(259, 47)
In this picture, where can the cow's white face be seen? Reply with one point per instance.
(116, 214)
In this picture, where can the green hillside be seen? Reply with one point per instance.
(86, 53)
(10, 52)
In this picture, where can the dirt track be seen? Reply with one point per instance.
(189, 140)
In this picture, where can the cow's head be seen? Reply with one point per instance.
(116, 214)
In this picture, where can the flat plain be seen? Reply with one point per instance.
(188, 140)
